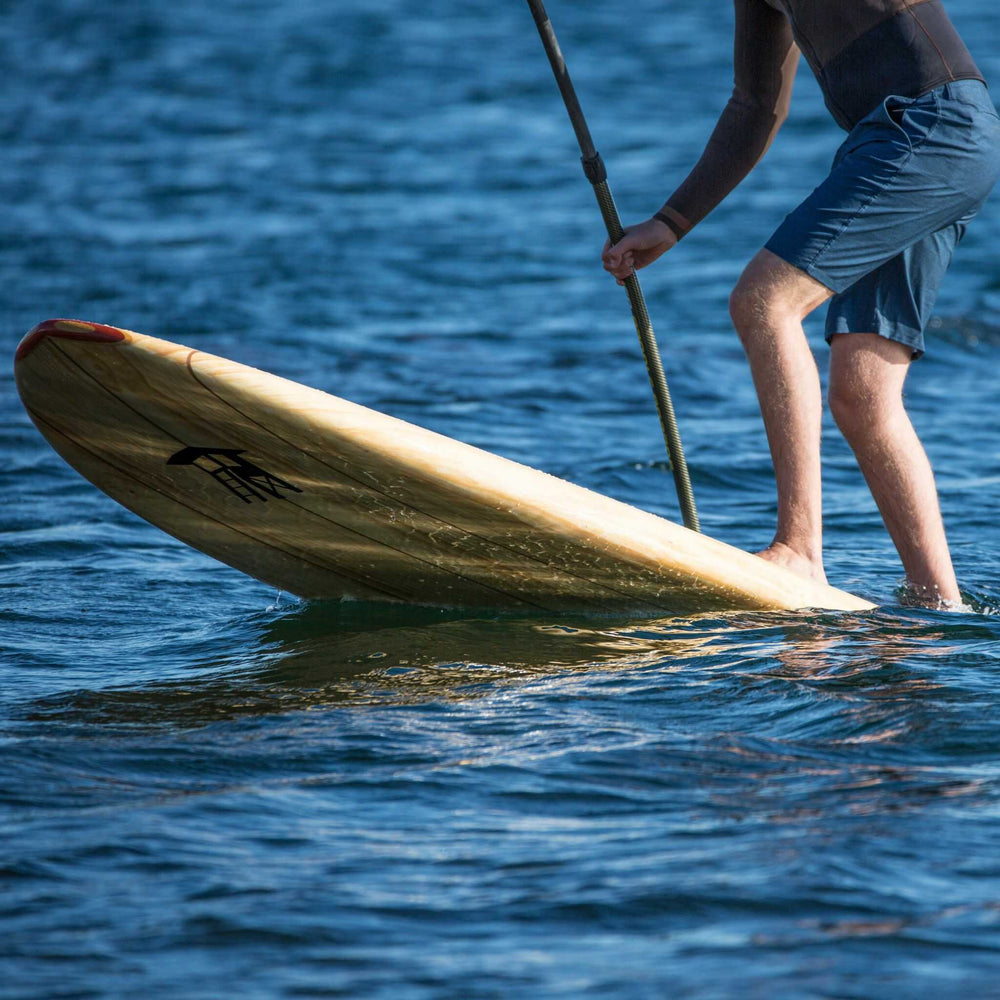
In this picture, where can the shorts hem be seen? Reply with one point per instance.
(815, 272)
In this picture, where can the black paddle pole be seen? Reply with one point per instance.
(593, 167)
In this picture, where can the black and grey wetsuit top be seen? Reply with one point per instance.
(861, 51)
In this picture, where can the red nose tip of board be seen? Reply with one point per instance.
(68, 329)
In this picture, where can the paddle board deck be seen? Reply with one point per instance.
(324, 498)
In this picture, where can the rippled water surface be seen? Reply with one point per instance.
(207, 788)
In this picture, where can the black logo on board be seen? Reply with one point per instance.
(248, 481)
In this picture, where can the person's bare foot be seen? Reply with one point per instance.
(784, 555)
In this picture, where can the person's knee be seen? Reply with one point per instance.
(850, 404)
(865, 390)
(772, 293)
(753, 305)
(744, 304)
(861, 406)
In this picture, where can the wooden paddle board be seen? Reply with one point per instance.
(327, 499)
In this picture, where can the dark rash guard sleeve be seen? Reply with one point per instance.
(765, 61)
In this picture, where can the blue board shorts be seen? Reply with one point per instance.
(880, 231)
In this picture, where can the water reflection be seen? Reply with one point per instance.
(369, 654)
(344, 654)
(783, 721)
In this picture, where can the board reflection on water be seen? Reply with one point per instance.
(751, 722)
(359, 653)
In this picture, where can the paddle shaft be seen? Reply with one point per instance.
(593, 168)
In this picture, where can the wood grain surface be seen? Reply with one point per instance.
(327, 499)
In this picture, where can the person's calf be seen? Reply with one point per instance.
(867, 373)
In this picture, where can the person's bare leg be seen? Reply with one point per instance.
(866, 396)
(767, 307)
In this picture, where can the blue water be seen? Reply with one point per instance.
(208, 789)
